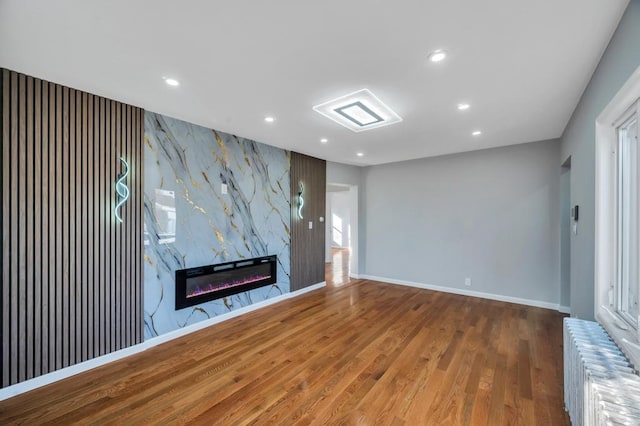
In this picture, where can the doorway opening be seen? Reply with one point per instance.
(341, 233)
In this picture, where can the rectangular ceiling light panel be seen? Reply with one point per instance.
(359, 111)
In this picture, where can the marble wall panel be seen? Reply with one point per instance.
(190, 222)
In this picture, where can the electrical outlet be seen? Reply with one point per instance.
(223, 188)
(467, 282)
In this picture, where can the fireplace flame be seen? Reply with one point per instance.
(197, 290)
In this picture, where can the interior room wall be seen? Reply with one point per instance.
(490, 215)
(618, 62)
(344, 174)
(190, 222)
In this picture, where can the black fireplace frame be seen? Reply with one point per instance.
(182, 275)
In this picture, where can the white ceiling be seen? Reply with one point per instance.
(522, 65)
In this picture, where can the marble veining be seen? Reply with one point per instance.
(190, 222)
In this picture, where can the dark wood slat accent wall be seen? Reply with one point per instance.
(307, 245)
(71, 275)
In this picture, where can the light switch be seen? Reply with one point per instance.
(321, 219)
(223, 188)
(310, 225)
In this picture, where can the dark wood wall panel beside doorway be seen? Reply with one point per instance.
(71, 274)
(307, 245)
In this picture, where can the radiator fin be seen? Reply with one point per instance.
(601, 386)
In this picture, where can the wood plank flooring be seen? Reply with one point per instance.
(337, 273)
(358, 353)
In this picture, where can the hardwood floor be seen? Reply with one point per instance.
(337, 272)
(357, 353)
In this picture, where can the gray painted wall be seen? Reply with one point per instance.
(492, 215)
(620, 59)
(343, 173)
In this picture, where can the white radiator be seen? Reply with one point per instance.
(601, 386)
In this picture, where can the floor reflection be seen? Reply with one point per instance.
(337, 272)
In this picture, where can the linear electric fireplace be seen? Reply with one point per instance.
(202, 284)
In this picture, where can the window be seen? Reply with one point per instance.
(627, 253)
(617, 218)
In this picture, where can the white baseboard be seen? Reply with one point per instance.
(307, 289)
(464, 292)
(63, 373)
(564, 309)
(355, 276)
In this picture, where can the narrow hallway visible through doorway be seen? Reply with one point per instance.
(341, 234)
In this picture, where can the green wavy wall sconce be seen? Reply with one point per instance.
(300, 201)
(122, 189)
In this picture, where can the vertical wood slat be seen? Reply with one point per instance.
(95, 334)
(72, 276)
(37, 221)
(127, 247)
(139, 216)
(29, 237)
(3, 249)
(59, 284)
(22, 228)
(123, 236)
(64, 210)
(44, 209)
(108, 227)
(13, 308)
(135, 223)
(72, 228)
(52, 228)
(307, 244)
(85, 228)
(132, 226)
(91, 209)
(5, 219)
(78, 227)
(103, 221)
(120, 235)
(116, 257)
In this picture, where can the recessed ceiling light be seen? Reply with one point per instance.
(269, 119)
(324, 140)
(360, 154)
(476, 133)
(358, 111)
(437, 55)
(171, 81)
(463, 107)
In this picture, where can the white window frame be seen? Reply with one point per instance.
(629, 116)
(606, 217)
